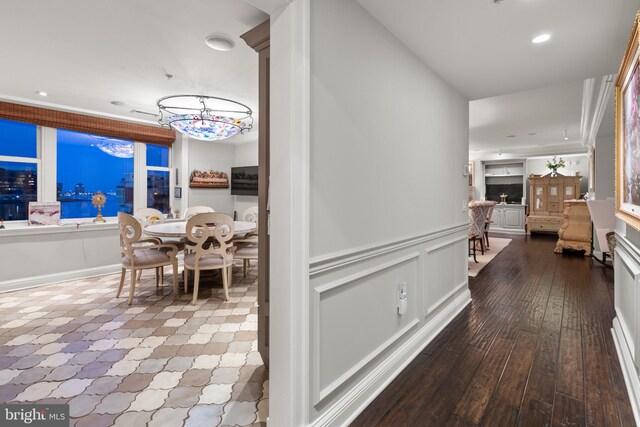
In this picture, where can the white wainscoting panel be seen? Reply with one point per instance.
(359, 342)
(444, 267)
(627, 272)
(343, 348)
(626, 325)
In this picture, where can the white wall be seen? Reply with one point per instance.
(207, 155)
(388, 143)
(42, 255)
(626, 324)
(605, 168)
(245, 155)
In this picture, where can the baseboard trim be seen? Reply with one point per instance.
(346, 409)
(628, 368)
(50, 279)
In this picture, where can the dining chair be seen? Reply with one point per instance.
(487, 224)
(194, 210)
(140, 254)
(208, 247)
(149, 216)
(246, 253)
(478, 210)
(248, 215)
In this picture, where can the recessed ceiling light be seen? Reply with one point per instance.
(41, 93)
(541, 38)
(511, 136)
(533, 133)
(220, 43)
(118, 103)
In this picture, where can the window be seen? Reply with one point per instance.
(89, 163)
(18, 169)
(158, 175)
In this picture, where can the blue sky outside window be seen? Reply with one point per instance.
(158, 156)
(18, 139)
(84, 168)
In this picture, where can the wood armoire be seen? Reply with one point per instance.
(548, 194)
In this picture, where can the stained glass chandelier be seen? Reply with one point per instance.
(206, 118)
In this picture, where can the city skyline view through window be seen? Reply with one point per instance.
(18, 173)
(85, 164)
(90, 163)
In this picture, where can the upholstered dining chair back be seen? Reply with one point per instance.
(139, 253)
(209, 234)
(194, 210)
(209, 247)
(478, 214)
(148, 216)
(250, 214)
(130, 233)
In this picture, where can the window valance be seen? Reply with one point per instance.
(87, 124)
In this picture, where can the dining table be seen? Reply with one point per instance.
(179, 229)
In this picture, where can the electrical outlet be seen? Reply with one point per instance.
(465, 205)
(402, 290)
(402, 298)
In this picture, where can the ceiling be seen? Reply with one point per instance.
(517, 88)
(90, 53)
(87, 53)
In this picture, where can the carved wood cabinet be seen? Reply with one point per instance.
(548, 194)
(576, 229)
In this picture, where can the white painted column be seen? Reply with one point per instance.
(48, 177)
(289, 222)
(139, 176)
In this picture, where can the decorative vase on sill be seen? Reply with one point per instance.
(554, 165)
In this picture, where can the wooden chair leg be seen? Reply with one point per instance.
(124, 271)
(157, 276)
(132, 288)
(245, 264)
(161, 274)
(224, 283)
(196, 282)
(230, 276)
(486, 237)
(481, 245)
(186, 279)
(139, 275)
(175, 277)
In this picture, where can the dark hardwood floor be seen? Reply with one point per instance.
(534, 348)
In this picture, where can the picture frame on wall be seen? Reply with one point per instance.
(208, 179)
(627, 93)
(44, 213)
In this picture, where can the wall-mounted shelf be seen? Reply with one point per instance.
(504, 178)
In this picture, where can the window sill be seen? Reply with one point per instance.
(21, 228)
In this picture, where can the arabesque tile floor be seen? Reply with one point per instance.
(159, 362)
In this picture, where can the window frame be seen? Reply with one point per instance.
(46, 170)
(39, 168)
(140, 180)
